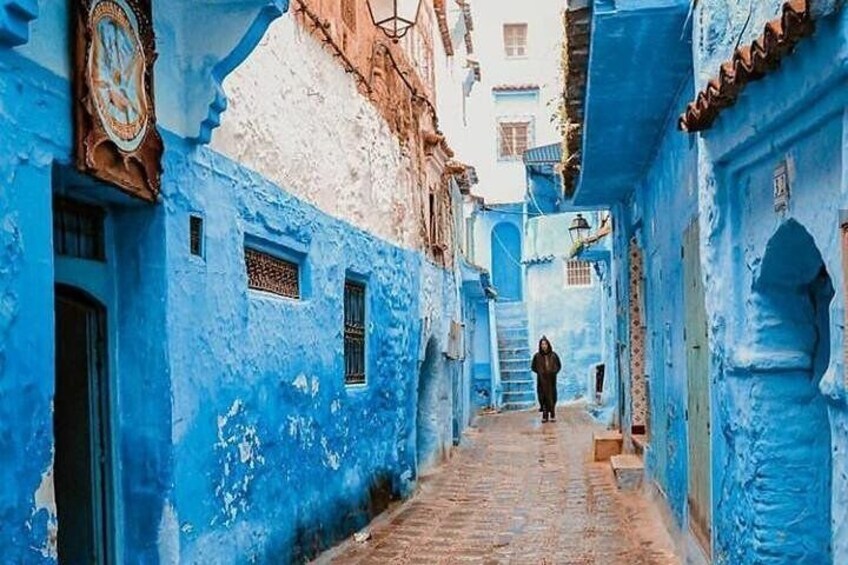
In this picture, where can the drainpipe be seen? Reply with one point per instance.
(494, 356)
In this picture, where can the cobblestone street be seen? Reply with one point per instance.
(519, 492)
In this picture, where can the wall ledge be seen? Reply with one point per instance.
(15, 16)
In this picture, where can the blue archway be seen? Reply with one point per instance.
(506, 261)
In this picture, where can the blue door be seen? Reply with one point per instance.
(506, 261)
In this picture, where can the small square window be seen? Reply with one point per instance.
(515, 40)
(195, 225)
(78, 230)
(578, 273)
(354, 332)
(513, 139)
(272, 274)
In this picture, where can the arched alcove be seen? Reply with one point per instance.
(506, 261)
(789, 464)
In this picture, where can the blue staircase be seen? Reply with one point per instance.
(518, 384)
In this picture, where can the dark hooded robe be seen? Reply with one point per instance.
(546, 366)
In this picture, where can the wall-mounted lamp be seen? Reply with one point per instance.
(394, 17)
(579, 229)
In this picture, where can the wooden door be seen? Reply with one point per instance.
(81, 431)
(697, 371)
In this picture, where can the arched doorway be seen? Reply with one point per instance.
(506, 261)
(789, 459)
(432, 403)
(81, 416)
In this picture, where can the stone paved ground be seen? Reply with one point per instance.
(520, 492)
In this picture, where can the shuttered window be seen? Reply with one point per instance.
(513, 139)
(515, 40)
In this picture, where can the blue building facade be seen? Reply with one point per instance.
(225, 427)
(729, 264)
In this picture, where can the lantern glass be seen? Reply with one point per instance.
(579, 228)
(394, 17)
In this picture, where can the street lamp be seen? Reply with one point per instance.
(579, 229)
(394, 17)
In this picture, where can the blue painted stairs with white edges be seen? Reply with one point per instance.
(518, 384)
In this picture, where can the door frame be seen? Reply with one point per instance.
(691, 259)
(101, 418)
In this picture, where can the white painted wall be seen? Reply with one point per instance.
(505, 181)
(296, 117)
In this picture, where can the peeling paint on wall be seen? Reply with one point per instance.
(240, 456)
(44, 517)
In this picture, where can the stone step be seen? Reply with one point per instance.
(518, 385)
(513, 327)
(519, 397)
(515, 364)
(628, 470)
(514, 333)
(518, 406)
(512, 344)
(516, 375)
(513, 354)
(606, 444)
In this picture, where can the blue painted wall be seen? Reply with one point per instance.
(226, 398)
(777, 366)
(776, 319)
(571, 317)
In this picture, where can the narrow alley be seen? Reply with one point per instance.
(520, 492)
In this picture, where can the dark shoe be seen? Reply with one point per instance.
(553, 418)
(544, 419)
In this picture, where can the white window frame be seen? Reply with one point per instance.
(512, 34)
(511, 120)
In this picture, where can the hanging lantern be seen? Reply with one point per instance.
(394, 17)
(579, 229)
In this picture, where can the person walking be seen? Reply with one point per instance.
(546, 365)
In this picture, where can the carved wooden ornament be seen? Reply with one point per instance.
(115, 118)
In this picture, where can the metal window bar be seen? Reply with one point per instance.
(196, 235)
(578, 273)
(78, 230)
(271, 274)
(354, 333)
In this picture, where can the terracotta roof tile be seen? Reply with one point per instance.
(515, 87)
(749, 63)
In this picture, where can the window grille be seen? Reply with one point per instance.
(195, 224)
(354, 333)
(78, 230)
(578, 273)
(349, 14)
(271, 274)
(513, 139)
(515, 40)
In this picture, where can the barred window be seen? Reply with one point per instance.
(578, 273)
(272, 274)
(515, 40)
(78, 230)
(349, 14)
(195, 237)
(354, 333)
